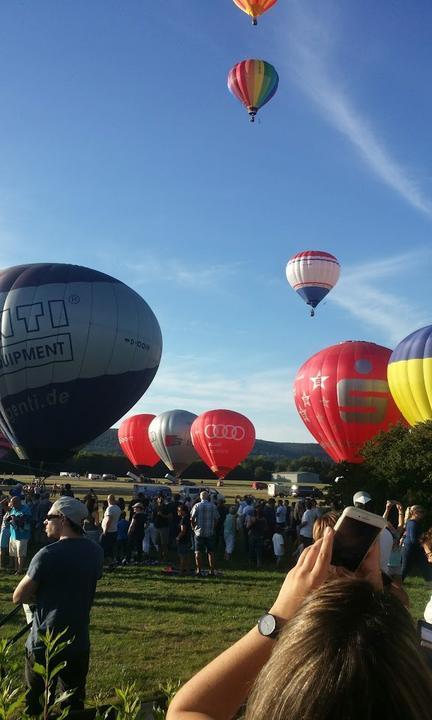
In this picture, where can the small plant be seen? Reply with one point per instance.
(168, 690)
(54, 645)
(12, 696)
(129, 707)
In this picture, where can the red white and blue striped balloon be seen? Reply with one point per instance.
(312, 274)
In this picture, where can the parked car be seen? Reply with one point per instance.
(258, 485)
(306, 491)
(109, 476)
(10, 482)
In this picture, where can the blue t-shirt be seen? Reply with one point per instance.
(122, 529)
(66, 572)
(20, 525)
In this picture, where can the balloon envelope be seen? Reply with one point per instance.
(222, 438)
(78, 348)
(410, 376)
(135, 442)
(169, 435)
(253, 82)
(255, 8)
(5, 446)
(343, 397)
(312, 274)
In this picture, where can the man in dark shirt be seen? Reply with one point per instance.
(61, 583)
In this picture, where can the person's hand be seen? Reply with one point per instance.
(312, 570)
(389, 504)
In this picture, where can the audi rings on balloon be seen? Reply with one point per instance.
(227, 432)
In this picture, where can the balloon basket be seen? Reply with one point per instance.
(254, 21)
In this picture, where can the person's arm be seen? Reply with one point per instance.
(131, 527)
(304, 521)
(401, 516)
(219, 690)
(182, 533)
(388, 507)
(25, 591)
(108, 521)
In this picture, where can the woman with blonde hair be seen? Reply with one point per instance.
(327, 520)
(327, 650)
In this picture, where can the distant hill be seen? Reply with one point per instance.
(108, 444)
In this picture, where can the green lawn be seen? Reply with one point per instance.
(150, 627)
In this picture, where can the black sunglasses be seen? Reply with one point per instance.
(53, 517)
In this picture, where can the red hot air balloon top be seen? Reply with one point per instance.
(222, 438)
(343, 397)
(135, 442)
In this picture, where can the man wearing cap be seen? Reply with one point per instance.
(363, 500)
(61, 583)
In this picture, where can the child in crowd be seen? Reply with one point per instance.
(278, 547)
(230, 527)
(184, 539)
(122, 536)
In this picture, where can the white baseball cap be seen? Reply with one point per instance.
(361, 497)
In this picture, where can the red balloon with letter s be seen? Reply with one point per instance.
(343, 397)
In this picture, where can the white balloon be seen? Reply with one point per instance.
(169, 434)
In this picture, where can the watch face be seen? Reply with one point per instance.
(267, 624)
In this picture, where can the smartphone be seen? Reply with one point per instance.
(355, 532)
(424, 630)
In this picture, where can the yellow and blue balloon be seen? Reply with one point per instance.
(410, 376)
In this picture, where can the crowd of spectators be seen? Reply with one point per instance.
(271, 532)
(156, 529)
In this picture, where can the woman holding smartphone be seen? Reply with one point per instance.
(329, 647)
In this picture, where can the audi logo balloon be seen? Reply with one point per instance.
(343, 397)
(170, 437)
(228, 432)
(77, 349)
(410, 376)
(135, 442)
(222, 438)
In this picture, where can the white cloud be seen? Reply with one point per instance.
(311, 43)
(187, 276)
(395, 317)
(264, 397)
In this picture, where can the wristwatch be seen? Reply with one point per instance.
(268, 626)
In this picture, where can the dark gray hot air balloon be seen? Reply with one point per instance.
(78, 348)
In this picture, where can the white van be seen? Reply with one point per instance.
(193, 492)
(151, 491)
(93, 476)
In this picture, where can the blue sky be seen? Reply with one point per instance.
(121, 149)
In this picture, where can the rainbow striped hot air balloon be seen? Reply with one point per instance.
(410, 376)
(255, 8)
(312, 274)
(253, 82)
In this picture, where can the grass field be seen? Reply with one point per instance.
(150, 627)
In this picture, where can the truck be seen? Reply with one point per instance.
(279, 490)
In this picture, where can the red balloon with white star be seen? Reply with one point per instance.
(343, 397)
